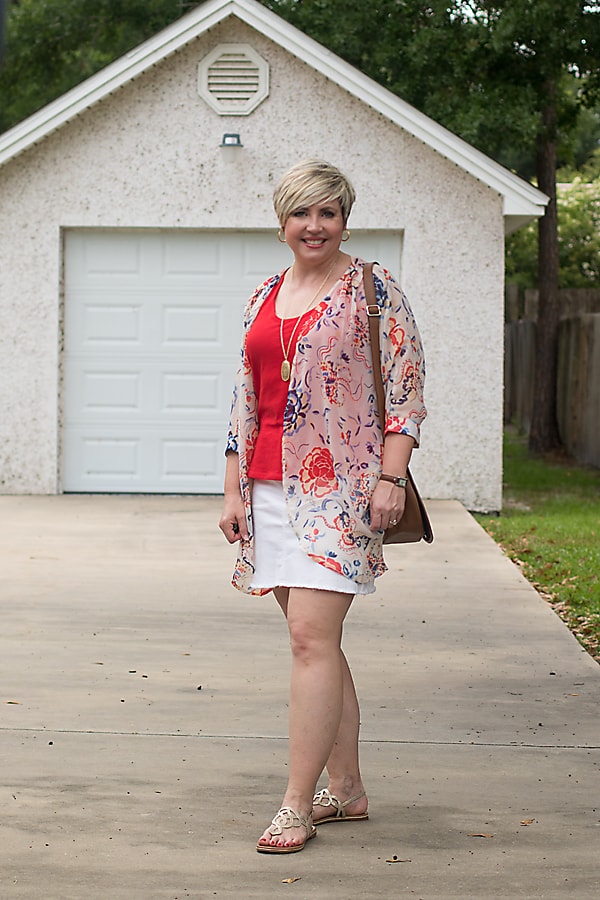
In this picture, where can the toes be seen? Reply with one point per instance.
(267, 840)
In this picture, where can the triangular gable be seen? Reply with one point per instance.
(522, 202)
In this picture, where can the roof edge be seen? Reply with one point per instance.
(109, 79)
(393, 107)
(520, 198)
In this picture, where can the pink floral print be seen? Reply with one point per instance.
(332, 440)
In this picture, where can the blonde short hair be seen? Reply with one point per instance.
(312, 181)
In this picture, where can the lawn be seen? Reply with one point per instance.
(550, 527)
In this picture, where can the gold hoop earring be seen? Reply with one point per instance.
(347, 235)
(281, 240)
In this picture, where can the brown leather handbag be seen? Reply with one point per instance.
(414, 524)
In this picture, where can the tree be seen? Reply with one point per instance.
(52, 45)
(539, 47)
(2, 27)
(578, 206)
(505, 76)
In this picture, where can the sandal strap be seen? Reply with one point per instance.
(326, 799)
(289, 818)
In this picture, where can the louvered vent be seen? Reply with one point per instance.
(233, 79)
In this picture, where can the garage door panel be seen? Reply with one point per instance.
(262, 255)
(111, 391)
(100, 390)
(112, 323)
(191, 254)
(152, 335)
(96, 257)
(139, 461)
(103, 392)
(111, 457)
(188, 458)
(152, 323)
(97, 462)
(192, 325)
(110, 257)
(191, 393)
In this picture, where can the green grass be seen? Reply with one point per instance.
(550, 526)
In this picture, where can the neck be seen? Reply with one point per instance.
(307, 273)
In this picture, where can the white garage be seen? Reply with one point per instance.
(152, 337)
(136, 217)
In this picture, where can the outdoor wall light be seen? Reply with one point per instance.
(231, 140)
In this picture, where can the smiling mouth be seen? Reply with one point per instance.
(314, 242)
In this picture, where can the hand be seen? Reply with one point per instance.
(387, 505)
(233, 518)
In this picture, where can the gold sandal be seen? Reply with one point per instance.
(328, 800)
(288, 818)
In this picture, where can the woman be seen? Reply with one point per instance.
(310, 481)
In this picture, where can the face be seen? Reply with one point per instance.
(313, 233)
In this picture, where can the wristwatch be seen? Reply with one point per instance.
(398, 480)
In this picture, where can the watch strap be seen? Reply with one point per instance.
(399, 480)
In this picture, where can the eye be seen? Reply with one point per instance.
(298, 213)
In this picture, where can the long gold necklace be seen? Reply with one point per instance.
(286, 366)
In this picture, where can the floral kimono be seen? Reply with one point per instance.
(332, 442)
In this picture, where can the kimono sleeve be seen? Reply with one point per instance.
(233, 430)
(402, 358)
(232, 444)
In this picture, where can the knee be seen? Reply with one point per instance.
(309, 643)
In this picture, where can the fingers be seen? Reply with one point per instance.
(382, 522)
(239, 530)
(233, 518)
(234, 532)
(387, 506)
(234, 528)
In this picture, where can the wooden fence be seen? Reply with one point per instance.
(578, 379)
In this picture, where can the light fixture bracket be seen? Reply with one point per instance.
(231, 140)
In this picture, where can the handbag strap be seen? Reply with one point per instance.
(374, 313)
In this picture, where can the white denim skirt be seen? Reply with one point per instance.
(278, 557)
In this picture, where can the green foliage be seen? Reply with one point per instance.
(589, 169)
(521, 257)
(482, 69)
(578, 239)
(550, 526)
(579, 234)
(52, 45)
(485, 70)
(585, 144)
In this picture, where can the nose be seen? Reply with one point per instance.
(313, 223)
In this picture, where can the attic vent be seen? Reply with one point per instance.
(233, 79)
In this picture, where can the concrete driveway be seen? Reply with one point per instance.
(143, 718)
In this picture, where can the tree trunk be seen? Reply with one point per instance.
(543, 435)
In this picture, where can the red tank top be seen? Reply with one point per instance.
(263, 347)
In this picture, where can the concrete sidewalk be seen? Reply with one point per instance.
(143, 719)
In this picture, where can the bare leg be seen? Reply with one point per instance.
(315, 620)
(343, 765)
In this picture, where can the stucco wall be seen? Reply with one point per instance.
(149, 156)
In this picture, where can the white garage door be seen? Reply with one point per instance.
(152, 334)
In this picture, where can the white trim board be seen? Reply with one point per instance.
(521, 201)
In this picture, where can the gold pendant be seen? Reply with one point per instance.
(285, 370)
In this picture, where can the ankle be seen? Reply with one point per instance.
(299, 803)
(347, 786)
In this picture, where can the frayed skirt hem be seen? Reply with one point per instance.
(279, 559)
